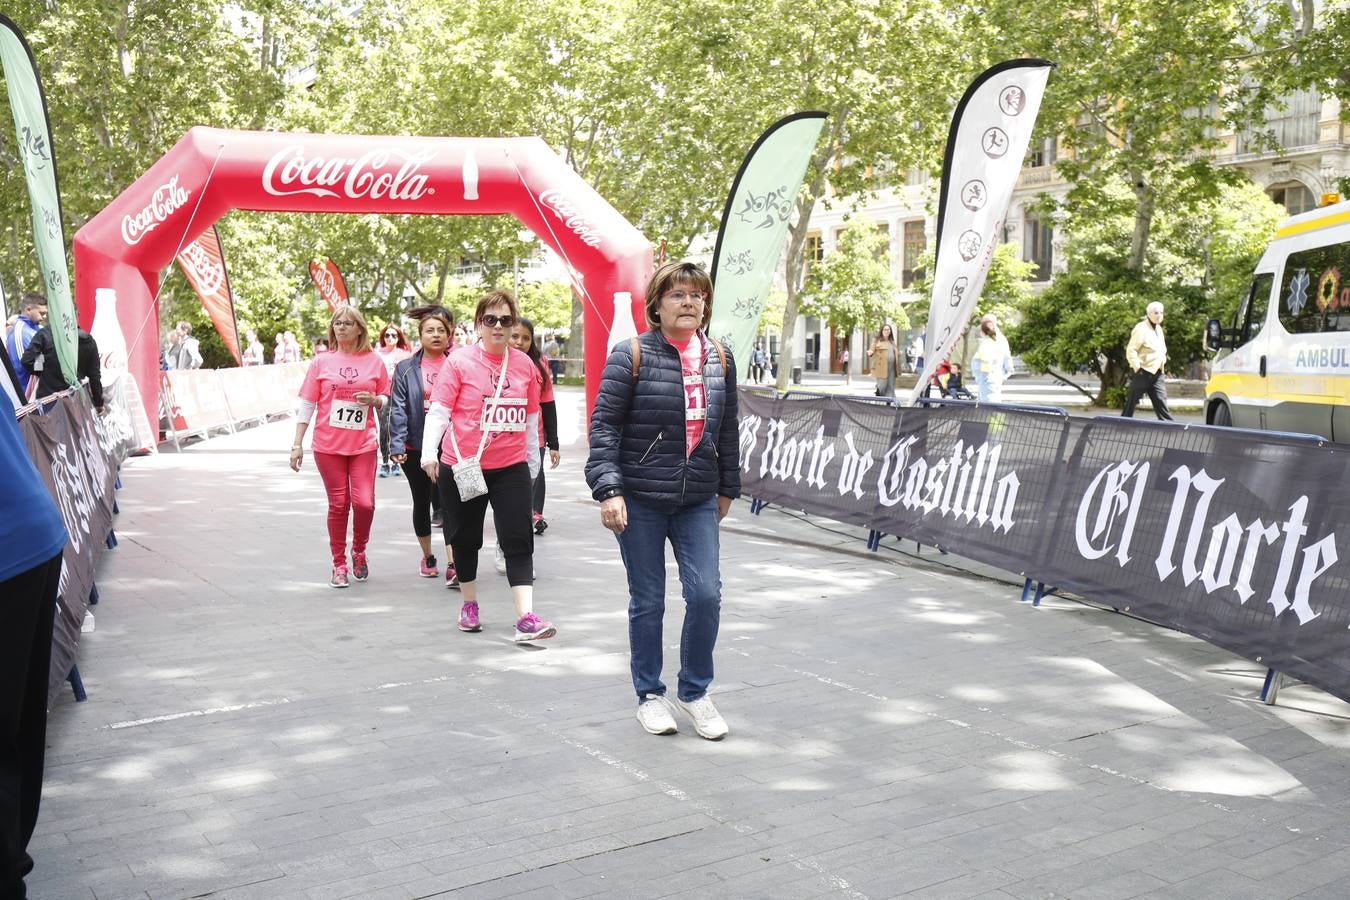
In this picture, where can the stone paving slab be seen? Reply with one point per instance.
(901, 724)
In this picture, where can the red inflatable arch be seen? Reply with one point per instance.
(120, 253)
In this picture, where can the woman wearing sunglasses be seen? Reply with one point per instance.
(487, 399)
(346, 387)
(414, 379)
(393, 349)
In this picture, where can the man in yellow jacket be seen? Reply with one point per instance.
(1147, 353)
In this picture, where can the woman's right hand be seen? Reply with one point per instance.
(432, 469)
(297, 456)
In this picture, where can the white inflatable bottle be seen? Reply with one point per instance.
(107, 333)
(621, 327)
(122, 394)
(470, 175)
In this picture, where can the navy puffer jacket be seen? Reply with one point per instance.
(637, 430)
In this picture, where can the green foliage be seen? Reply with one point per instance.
(1007, 287)
(852, 286)
(1198, 264)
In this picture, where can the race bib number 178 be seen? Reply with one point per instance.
(347, 414)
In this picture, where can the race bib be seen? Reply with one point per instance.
(347, 414)
(503, 414)
(695, 410)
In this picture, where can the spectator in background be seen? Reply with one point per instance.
(253, 352)
(758, 360)
(992, 363)
(1147, 353)
(189, 351)
(30, 569)
(32, 313)
(320, 347)
(40, 359)
(551, 350)
(279, 351)
(915, 353)
(291, 349)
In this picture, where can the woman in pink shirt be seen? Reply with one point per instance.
(346, 387)
(523, 339)
(393, 349)
(487, 398)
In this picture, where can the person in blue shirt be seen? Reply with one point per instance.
(32, 313)
(32, 536)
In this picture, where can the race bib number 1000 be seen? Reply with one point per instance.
(503, 414)
(347, 414)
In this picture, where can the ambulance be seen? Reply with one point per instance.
(1284, 362)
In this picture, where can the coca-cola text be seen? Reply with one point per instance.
(164, 202)
(385, 173)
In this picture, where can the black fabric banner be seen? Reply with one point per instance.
(78, 463)
(1230, 536)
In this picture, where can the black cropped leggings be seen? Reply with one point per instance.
(509, 494)
(426, 499)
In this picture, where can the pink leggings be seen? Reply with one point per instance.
(350, 482)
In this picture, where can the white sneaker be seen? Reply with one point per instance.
(708, 722)
(499, 559)
(654, 715)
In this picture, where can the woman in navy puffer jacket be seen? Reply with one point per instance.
(665, 465)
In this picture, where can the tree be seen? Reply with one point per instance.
(1199, 258)
(853, 286)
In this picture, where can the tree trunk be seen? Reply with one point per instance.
(1143, 222)
(806, 203)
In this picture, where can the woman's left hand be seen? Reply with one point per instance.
(723, 507)
(554, 458)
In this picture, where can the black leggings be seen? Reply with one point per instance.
(509, 493)
(27, 610)
(426, 499)
(537, 492)
(385, 413)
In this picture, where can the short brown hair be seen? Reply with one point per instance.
(493, 298)
(670, 275)
(363, 342)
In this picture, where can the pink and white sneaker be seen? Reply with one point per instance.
(339, 579)
(360, 568)
(532, 628)
(427, 568)
(468, 617)
(451, 577)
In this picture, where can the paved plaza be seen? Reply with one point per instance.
(899, 726)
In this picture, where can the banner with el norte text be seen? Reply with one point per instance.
(754, 226)
(328, 279)
(203, 262)
(1232, 536)
(77, 459)
(985, 146)
(34, 142)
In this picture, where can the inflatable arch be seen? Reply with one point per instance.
(120, 253)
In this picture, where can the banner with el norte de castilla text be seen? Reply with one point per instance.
(1231, 536)
(203, 262)
(754, 227)
(34, 142)
(988, 139)
(77, 458)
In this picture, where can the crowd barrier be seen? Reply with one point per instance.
(200, 401)
(1225, 534)
(77, 454)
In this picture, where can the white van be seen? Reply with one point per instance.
(1284, 364)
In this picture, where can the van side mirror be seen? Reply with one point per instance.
(1213, 335)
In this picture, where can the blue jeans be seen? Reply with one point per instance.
(693, 533)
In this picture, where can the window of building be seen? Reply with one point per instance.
(1036, 246)
(915, 244)
(916, 177)
(884, 245)
(1313, 298)
(1041, 153)
(1294, 197)
(1291, 123)
(813, 251)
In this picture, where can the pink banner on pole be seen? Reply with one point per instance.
(328, 279)
(203, 262)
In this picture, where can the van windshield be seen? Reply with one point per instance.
(1251, 314)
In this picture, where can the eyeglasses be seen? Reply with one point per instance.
(492, 321)
(391, 334)
(344, 324)
(681, 296)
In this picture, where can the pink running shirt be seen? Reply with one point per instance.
(341, 425)
(392, 357)
(431, 371)
(695, 395)
(466, 387)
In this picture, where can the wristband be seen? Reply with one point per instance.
(297, 447)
